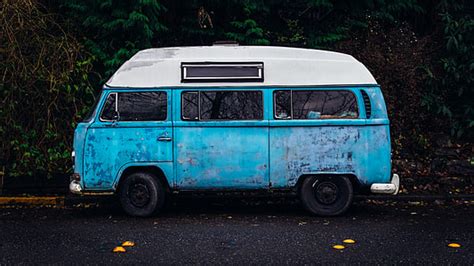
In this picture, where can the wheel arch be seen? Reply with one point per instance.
(356, 185)
(156, 171)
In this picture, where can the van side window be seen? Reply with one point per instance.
(222, 105)
(136, 106)
(317, 104)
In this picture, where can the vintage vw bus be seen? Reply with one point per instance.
(233, 118)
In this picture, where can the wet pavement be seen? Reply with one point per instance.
(240, 231)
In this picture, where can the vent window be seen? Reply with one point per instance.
(368, 108)
(218, 72)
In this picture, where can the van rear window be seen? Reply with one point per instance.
(135, 106)
(315, 104)
(222, 105)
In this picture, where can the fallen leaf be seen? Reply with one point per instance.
(339, 247)
(349, 241)
(454, 245)
(119, 250)
(128, 244)
(301, 223)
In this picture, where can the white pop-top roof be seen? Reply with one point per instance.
(161, 67)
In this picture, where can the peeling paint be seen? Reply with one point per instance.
(222, 157)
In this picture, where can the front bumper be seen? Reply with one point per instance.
(387, 188)
(75, 187)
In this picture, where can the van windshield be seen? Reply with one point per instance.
(91, 114)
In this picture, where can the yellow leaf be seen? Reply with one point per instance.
(454, 245)
(128, 244)
(338, 247)
(119, 250)
(349, 241)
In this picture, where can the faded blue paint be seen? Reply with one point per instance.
(166, 167)
(78, 146)
(236, 154)
(360, 146)
(109, 146)
(221, 157)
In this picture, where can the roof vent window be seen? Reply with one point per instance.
(218, 72)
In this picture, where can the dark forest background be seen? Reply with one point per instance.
(56, 54)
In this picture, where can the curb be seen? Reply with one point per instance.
(57, 201)
(417, 197)
(63, 201)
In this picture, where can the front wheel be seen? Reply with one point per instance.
(326, 195)
(141, 194)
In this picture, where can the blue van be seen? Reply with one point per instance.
(234, 118)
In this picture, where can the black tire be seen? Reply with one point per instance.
(141, 194)
(326, 195)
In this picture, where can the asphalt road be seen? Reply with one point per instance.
(230, 231)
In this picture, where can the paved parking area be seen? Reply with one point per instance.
(237, 231)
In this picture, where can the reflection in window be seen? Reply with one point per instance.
(283, 105)
(189, 105)
(317, 104)
(222, 105)
(142, 106)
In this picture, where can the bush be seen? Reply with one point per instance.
(44, 89)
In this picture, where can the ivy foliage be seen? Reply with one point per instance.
(44, 91)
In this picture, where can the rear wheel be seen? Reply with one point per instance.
(141, 194)
(326, 195)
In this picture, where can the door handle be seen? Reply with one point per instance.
(164, 138)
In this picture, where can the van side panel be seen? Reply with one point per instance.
(300, 149)
(220, 156)
(110, 147)
(78, 145)
(377, 125)
(333, 146)
(378, 165)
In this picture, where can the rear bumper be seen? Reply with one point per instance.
(387, 188)
(75, 187)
